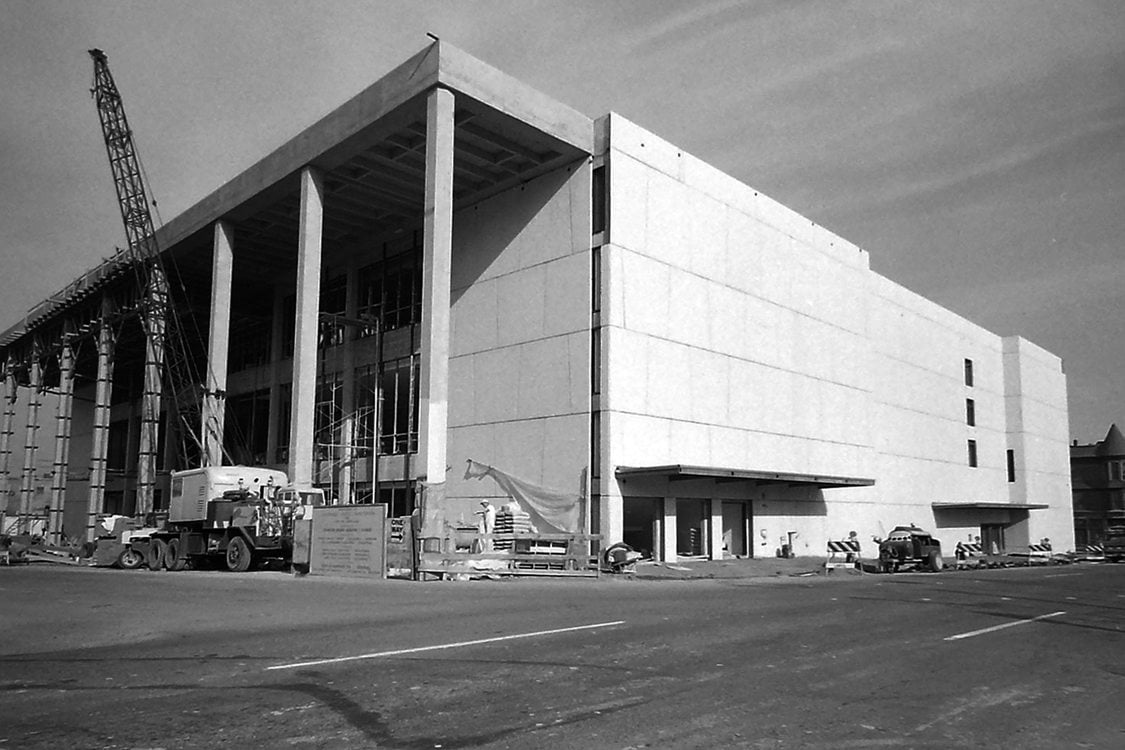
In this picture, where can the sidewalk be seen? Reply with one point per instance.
(765, 567)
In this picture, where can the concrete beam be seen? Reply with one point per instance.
(218, 343)
(303, 417)
(437, 251)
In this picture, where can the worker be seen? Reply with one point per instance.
(486, 524)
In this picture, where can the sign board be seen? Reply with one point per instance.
(348, 540)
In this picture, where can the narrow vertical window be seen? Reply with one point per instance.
(970, 412)
(596, 361)
(968, 372)
(598, 211)
(972, 453)
(1011, 465)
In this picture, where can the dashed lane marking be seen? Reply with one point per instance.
(459, 644)
(994, 628)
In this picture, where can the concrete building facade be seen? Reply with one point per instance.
(453, 271)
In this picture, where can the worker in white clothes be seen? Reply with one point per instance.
(486, 524)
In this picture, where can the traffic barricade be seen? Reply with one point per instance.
(842, 554)
(969, 554)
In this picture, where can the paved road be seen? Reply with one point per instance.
(113, 659)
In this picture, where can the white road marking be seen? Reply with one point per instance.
(420, 649)
(994, 628)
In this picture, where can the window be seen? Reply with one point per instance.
(329, 416)
(399, 498)
(399, 419)
(246, 427)
(366, 408)
(598, 210)
(969, 372)
(249, 344)
(972, 453)
(1116, 471)
(390, 292)
(334, 301)
(1011, 465)
(970, 412)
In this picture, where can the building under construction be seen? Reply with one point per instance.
(453, 281)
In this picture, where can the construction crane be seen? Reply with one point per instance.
(166, 349)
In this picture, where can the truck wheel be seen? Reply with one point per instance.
(154, 558)
(172, 559)
(935, 562)
(238, 555)
(130, 559)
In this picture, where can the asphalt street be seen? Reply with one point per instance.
(1012, 658)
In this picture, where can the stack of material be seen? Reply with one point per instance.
(512, 519)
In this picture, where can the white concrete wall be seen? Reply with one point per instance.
(741, 335)
(519, 369)
(1038, 430)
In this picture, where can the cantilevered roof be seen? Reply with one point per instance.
(989, 506)
(371, 152)
(682, 472)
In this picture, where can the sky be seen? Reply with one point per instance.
(976, 150)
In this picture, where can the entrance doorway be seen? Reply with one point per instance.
(641, 520)
(692, 521)
(992, 538)
(735, 533)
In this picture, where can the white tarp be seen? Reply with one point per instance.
(551, 511)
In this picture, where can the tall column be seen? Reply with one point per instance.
(62, 439)
(715, 529)
(302, 421)
(31, 441)
(669, 535)
(154, 320)
(437, 248)
(218, 344)
(99, 443)
(7, 420)
(347, 399)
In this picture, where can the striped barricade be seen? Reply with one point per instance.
(1039, 552)
(842, 554)
(969, 553)
(1093, 553)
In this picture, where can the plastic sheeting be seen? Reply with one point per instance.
(550, 510)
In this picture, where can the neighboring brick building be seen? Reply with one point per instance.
(1098, 480)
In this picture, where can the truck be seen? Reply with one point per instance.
(238, 516)
(909, 547)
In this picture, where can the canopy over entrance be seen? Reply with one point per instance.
(680, 472)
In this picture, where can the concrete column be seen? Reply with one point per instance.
(7, 420)
(218, 344)
(303, 418)
(437, 249)
(154, 320)
(95, 504)
(668, 538)
(715, 535)
(31, 442)
(347, 401)
(62, 439)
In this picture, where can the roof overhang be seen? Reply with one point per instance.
(674, 472)
(989, 506)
